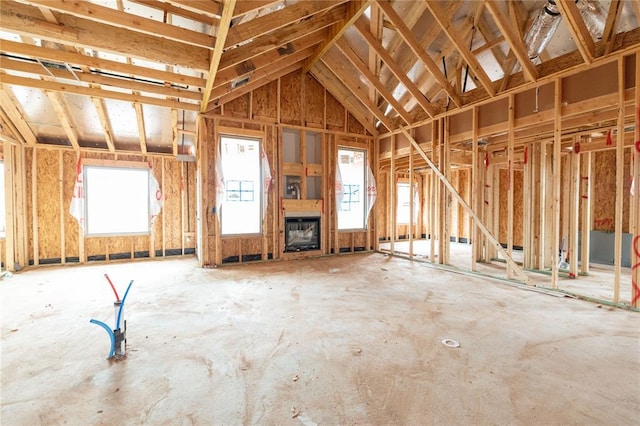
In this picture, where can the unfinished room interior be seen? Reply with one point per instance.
(320, 212)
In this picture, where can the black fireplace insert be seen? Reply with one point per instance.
(302, 234)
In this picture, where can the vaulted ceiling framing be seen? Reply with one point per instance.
(391, 63)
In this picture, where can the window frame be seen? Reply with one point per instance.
(250, 136)
(113, 165)
(363, 190)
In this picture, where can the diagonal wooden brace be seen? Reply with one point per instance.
(493, 240)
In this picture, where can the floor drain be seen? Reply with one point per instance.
(451, 343)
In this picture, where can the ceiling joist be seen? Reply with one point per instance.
(578, 29)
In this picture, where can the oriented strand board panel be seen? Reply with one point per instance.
(591, 83)
(360, 240)
(314, 105)
(460, 123)
(29, 176)
(604, 190)
(172, 204)
(290, 98)
(252, 247)
(72, 229)
(48, 204)
(156, 169)
(380, 208)
(238, 107)
(335, 114)
(265, 101)
(354, 126)
(493, 113)
(518, 213)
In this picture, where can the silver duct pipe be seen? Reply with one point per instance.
(543, 27)
(546, 23)
(594, 15)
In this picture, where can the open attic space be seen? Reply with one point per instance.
(483, 141)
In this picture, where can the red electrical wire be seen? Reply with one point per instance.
(112, 287)
(634, 284)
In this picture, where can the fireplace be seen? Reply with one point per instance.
(302, 234)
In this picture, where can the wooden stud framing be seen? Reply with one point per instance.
(510, 184)
(585, 196)
(635, 198)
(557, 145)
(466, 206)
(392, 196)
(141, 127)
(617, 248)
(573, 220)
(578, 29)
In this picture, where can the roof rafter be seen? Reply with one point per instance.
(373, 79)
(56, 55)
(615, 10)
(17, 117)
(178, 11)
(453, 34)
(358, 91)
(247, 6)
(62, 111)
(578, 29)
(278, 38)
(118, 18)
(419, 52)
(210, 8)
(223, 29)
(276, 20)
(260, 74)
(513, 38)
(268, 58)
(355, 9)
(27, 20)
(361, 26)
(90, 91)
(141, 127)
(342, 94)
(101, 109)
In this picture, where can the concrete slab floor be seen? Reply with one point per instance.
(354, 339)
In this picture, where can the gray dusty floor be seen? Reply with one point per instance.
(350, 340)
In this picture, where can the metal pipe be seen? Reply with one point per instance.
(594, 15)
(542, 29)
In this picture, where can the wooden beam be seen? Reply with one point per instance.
(211, 8)
(610, 27)
(516, 43)
(338, 90)
(585, 210)
(361, 25)
(574, 218)
(362, 67)
(453, 35)
(355, 9)
(635, 199)
(555, 202)
(17, 118)
(221, 37)
(273, 21)
(578, 29)
(104, 121)
(519, 272)
(620, 176)
(267, 59)
(95, 79)
(109, 16)
(141, 127)
(179, 11)
(99, 93)
(62, 111)
(248, 6)
(510, 177)
(279, 38)
(56, 55)
(27, 20)
(413, 44)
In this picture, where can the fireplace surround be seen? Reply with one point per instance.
(302, 234)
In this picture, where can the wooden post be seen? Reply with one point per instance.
(557, 144)
(392, 194)
(411, 199)
(585, 178)
(617, 249)
(9, 207)
(434, 199)
(635, 199)
(527, 203)
(63, 246)
(34, 205)
(574, 190)
(466, 206)
(164, 221)
(476, 190)
(510, 160)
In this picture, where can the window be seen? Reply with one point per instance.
(117, 200)
(242, 209)
(404, 202)
(3, 219)
(351, 163)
